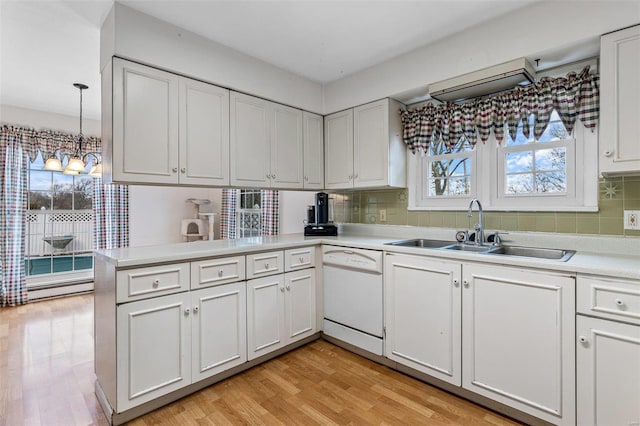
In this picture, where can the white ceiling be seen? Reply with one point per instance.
(46, 46)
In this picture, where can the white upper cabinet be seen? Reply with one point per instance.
(620, 101)
(204, 133)
(266, 143)
(166, 129)
(145, 124)
(338, 157)
(313, 139)
(364, 147)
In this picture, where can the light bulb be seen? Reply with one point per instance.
(53, 164)
(75, 164)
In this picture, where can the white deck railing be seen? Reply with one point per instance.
(58, 226)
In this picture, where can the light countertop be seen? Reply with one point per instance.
(604, 262)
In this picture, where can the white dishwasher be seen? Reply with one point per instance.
(352, 281)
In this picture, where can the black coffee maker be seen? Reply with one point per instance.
(322, 224)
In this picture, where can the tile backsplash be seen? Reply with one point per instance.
(615, 196)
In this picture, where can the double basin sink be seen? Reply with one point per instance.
(531, 252)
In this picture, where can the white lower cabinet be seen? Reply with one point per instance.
(518, 329)
(281, 309)
(608, 372)
(154, 347)
(423, 315)
(169, 342)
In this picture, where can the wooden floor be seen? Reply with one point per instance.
(46, 378)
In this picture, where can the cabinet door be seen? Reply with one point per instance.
(153, 348)
(620, 101)
(608, 368)
(204, 133)
(286, 146)
(300, 304)
(518, 331)
(265, 315)
(422, 315)
(338, 150)
(313, 137)
(219, 329)
(250, 153)
(145, 124)
(371, 144)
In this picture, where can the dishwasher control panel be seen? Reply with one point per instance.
(362, 259)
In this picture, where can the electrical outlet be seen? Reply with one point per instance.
(632, 219)
(383, 215)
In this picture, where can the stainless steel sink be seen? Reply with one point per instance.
(421, 242)
(469, 247)
(538, 253)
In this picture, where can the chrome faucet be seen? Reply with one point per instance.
(479, 227)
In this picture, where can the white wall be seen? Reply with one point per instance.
(47, 120)
(156, 212)
(134, 35)
(293, 210)
(532, 32)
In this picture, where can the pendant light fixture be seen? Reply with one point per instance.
(76, 164)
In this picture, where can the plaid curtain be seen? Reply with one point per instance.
(13, 206)
(228, 214)
(576, 96)
(111, 215)
(270, 211)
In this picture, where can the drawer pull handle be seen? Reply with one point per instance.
(301, 259)
(220, 273)
(195, 309)
(619, 302)
(186, 311)
(175, 169)
(156, 282)
(282, 289)
(266, 266)
(466, 283)
(288, 287)
(456, 283)
(583, 340)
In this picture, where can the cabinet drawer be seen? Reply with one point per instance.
(207, 273)
(299, 258)
(263, 264)
(611, 298)
(142, 283)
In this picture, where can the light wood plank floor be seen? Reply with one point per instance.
(46, 378)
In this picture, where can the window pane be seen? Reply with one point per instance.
(519, 184)
(446, 168)
(38, 265)
(459, 186)
(551, 159)
(39, 180)
(519, 161)
(39, 200)
(551, 182)
(62, 200)
(437, 187)
(62, 182)
(82, 201)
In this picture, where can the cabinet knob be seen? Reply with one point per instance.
(282, 289)
(619, 302)
(156, 282)
(583, 340)
(350, 177)
(183, 170)
(465, 283)
(175, 169)
(355, 176)
(268, 176)
(456, 283)
(301, 259)
(220, 273)
(306, 178)
(186, 311)
(266, 266)
(608, 153)
(273, 176)
(288, 287)
(196, 309)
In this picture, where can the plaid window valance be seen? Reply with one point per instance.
(49, 142)
(575, 96)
